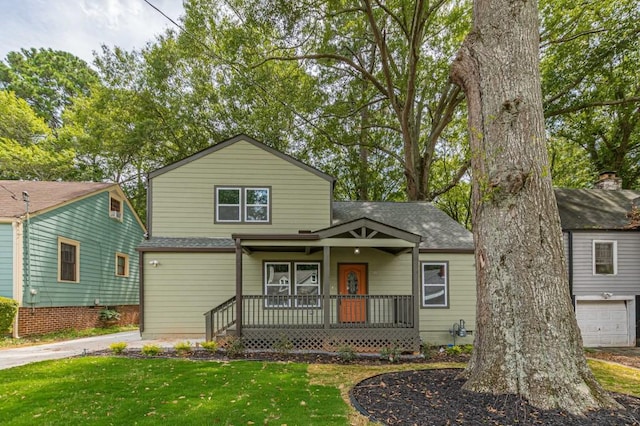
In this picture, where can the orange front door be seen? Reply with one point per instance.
(353, 283)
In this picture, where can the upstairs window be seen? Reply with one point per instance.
(115, 208)
(435, 285)
(605, 258)
(68, 260)
(242, 204)
(122, 265)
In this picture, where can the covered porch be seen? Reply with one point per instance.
(336, 300)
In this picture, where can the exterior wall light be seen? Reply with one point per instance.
(154, 263)
(356, 250)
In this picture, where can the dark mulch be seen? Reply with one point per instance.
(435, 397)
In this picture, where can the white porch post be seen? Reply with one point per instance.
(326, 285)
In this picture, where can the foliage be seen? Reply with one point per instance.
(283, 345)
(151, 349)
(234, 346)
(8, 311)
(116, 390)
(107, 314)
(183, 348)
(19, 122)
(346, 353)
(459, 349)
(118, 347)
(210, 346)
(390, 353)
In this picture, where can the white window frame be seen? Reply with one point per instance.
(615, 256)
(218, 204)
(76, 244)
(116, 214)
(278, 284)
(314, 282)
(425, 285)
(126, 264)
(242, 205)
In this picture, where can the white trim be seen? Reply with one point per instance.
(279, 283)
(313, 282)
(445, 285)
(246, 205)
(615, 256)
(218, 204)
(18, 261)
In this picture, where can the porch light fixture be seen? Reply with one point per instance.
(356, 250)
(154, 263)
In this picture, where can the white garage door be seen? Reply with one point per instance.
(603, 322)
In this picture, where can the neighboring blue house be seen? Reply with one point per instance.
(67, 249)
(603, 253)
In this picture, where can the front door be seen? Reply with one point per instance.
(352, 281)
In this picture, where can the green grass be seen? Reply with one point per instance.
(616, 377)
(10, 342)
(109, 390)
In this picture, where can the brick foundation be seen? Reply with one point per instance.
(48, 320)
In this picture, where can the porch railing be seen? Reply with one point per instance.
(345, 311)
(219, 319)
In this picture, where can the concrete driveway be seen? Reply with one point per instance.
(25, 355)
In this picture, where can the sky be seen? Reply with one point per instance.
(82, 26)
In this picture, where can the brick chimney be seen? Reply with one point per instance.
(609, 181)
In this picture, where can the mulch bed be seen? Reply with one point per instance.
(435, 397)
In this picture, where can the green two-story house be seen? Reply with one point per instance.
(67, 250)
(247, 240)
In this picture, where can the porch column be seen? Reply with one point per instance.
(415, 280)
(238, 288)
(326, 285)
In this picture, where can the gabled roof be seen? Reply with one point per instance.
(591, 209)
(232, 141)
(361, 226)
(438, 230)
(43, 195)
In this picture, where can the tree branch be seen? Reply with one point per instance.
(577, 108)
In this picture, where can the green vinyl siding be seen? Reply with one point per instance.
(100, 237)
(6, 260)
(182, 288)
(436, 322)
(183, 199)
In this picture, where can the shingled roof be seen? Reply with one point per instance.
(42, 195)
(439, 231)
(582, 209)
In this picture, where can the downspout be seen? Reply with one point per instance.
(141, 291)
(18, 269)
(239, 301)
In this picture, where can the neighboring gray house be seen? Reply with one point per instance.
(603, 255)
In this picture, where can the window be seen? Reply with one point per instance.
(122, 265)
(435, 283)
(115, 207)
(248, 205)
(605, 257)
(279, 288)
(276, 281)
(68, 260)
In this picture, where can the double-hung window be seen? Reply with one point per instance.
(435, 285)
(284, 279)
(68, 260)
(122, 265)
(115, 207)
(242, 204)
(605, 258)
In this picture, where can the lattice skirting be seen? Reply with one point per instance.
(360, 340)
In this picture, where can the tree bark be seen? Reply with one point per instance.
(527, 340)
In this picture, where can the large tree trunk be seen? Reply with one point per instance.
(527, 340)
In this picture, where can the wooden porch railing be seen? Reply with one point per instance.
(219, 319)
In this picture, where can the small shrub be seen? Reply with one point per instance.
(346, 353)
(182, 348)
(210, 346)
(454, 350)
(151, 350)
(467, 349)
(8, 310)
(109, 315)
(118, 347)
(391, 354)
(234, 347)
(283, 345)
(428, 351)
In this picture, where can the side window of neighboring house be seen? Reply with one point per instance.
(115, 207)
(435, 285)
(279, 286)
(68, 260)
(122, 265)
(242, 204)
(605, 257)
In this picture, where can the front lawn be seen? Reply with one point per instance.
(111, 390)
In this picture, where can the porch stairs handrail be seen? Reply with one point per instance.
(220, 319)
